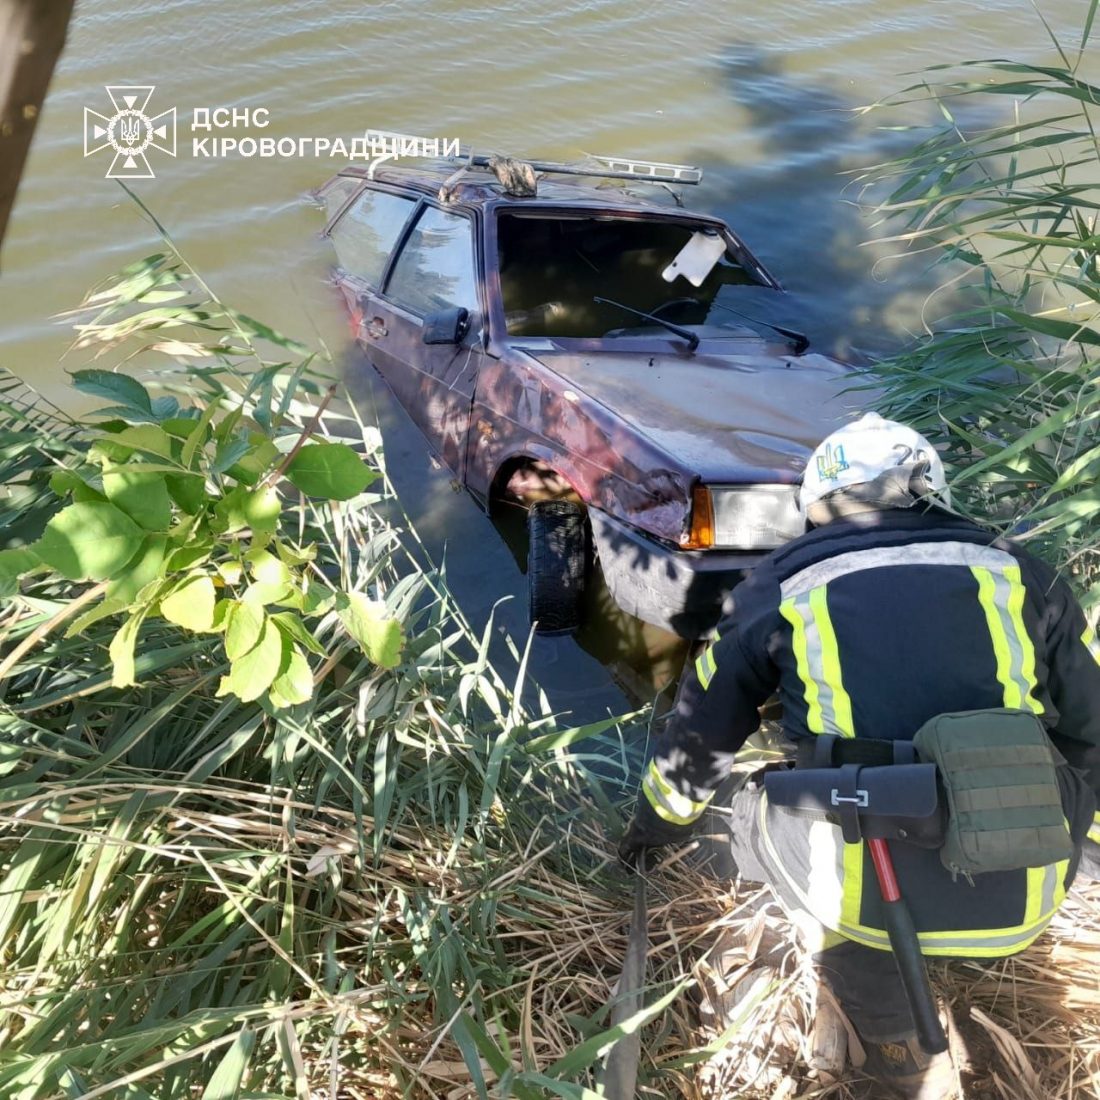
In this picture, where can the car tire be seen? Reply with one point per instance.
(557, 559)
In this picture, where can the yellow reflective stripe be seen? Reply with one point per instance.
(830, 662)
(1034, 908)
(706, 667)
(1094, 829)
(852, 884)
(1001, 595)
(812, 694)
(1045, 893)
(986, 590)
(1088, 639)
(667, 802)
(1023, 639)
(817, 659)
(1061, 868)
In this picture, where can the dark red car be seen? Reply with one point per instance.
(584, 350)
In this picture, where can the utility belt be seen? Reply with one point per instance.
(980, 786)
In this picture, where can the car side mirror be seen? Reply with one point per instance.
(448, 326)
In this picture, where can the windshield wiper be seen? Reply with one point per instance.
(684, 333)
(800, 340)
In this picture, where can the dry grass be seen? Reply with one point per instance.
(1025, 1027)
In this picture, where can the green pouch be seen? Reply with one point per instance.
(1004, 806)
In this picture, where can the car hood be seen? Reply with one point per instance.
(724, 417)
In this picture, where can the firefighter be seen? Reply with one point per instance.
(888, 611)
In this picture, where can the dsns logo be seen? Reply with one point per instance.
(130, 132)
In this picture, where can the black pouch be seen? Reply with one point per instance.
(891, 802)
(998, 769)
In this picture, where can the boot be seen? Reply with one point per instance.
(899, 1064)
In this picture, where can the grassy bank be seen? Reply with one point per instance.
(393, 880)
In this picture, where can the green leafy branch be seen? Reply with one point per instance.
(172, 510)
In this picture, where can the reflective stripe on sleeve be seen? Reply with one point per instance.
(1094, 829)
(667, 802)
(1090, 642)
(706, 667)
(817, 659)
(1001, 594)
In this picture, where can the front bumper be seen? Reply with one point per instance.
(678, 590)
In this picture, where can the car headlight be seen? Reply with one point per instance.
(743, 517)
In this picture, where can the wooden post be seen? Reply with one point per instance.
(32, 34)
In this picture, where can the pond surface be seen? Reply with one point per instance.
(760, 96)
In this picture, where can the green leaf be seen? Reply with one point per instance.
(230, 571)
(146, 566)
(142, 496)
(13, 564)
(127, 391)
(244, 623)
(330, 470)
(102, 610)
(318, 599)
(294, 630)
(229, 454)
(252, 674)
(254, 508)
(199, 434)
(371, 625)
(148, 438)
(187, 490)
(264, 332)
(295, 556)
(166, 407)
(226, 1081)
(221, 612)
(267, 568)
(191, 605)
(17, 561)
(260, 594)
(122, 650)
(294, 684)
(261, 456)
(179, 427)
(188, 555)
(65, 482)
(92, 540)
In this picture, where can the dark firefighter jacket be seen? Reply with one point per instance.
(867, 627)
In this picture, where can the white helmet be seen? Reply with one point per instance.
(864, 450)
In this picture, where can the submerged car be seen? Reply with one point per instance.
(574, 346)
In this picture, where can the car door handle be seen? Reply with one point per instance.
(376, 328)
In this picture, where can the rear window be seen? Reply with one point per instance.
(436, 267)
(366, 234)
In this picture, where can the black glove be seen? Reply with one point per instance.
(647, 830)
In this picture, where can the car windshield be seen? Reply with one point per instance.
(553, 267)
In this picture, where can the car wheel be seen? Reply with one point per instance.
(557, 559)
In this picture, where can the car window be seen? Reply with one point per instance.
(366, 234)
(337, 192)
(436, 267)
(554, 268)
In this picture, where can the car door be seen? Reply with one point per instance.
(435, 270)
(368, 222)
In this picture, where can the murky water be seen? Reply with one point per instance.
(758, 95)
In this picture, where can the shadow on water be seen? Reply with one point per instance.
(796, 203)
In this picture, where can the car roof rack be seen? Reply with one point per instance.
(517, 175)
